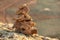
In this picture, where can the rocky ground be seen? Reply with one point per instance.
(6, 34)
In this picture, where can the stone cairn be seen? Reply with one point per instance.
(24, 22)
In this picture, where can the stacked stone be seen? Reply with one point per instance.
(24, 22)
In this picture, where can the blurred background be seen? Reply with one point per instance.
(46, 14)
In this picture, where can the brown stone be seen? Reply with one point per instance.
(24, 22)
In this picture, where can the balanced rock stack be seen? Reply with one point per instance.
(24, 22)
